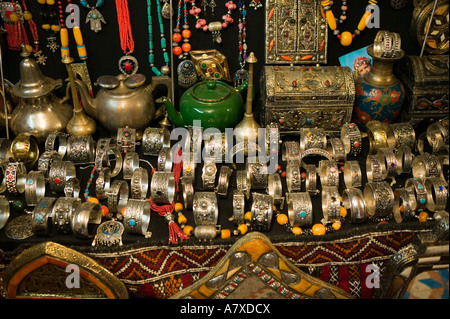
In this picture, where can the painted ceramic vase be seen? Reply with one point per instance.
(379, 93)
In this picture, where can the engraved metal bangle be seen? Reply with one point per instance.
(42, 215)
(59, 173)
(205, 209)
(312, 138)
(336, 147)
(243, 183)
(437, 194)
(257, 172)
(85, 219)
(81, 149)
(139, 183)
(216, 145)
(62, 213)
(290, 152)
(102, 183)
(107, 147)
(353, 201)
(261, 212)
(162, 187)
(315, 152)
(136, 218)
(118, 195)
(25, 149)
(130, 164)
(56, 141)
(189, 167)
(404, 205)
(331, 204)
(209, 172)
(154, 139)
(4, 211)
(34, 188)
(405, 158)
(224, 180)
(243, 149)
(126, 139)
(311, 180)
(46, 160)
(417, 187)
(273, 139)
(379, 198)
(329, 173)
(351, 137)
(275, 189)
(165, 160)
(300, 209)
(375, 169)
(72, 187)
(293, 177)
(352, 174)
(187, 186)
(238, 207)
(15, 178)
(404, 134)
(387, 156)
(380, 135)
(426, 165)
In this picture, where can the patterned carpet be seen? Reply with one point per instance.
(429, 285)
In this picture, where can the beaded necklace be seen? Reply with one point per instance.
(165, 70)
(241, 74)
(50, 23)
(94, 17)
(16, 34)
(182, 51)
(127, 64)
(345, 37)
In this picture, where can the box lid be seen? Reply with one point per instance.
(425, 70)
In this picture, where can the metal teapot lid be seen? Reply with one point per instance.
(211, 91)
(32, 83)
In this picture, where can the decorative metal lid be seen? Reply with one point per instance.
(211, 91)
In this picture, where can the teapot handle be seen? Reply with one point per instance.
(163, 80)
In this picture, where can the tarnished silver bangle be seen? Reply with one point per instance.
(209, 173)
(126, 139)
(165, 159)
(379, 198)
(4, 211)
(300, 209)
(85, 218)
(353, 201)
(404, 205)
(351, 137)
(42, 215)
(105, 148)
(62, 213)
(15, 178)
(56, 141)
(162, 187)
(437, 194)
(417, 187)
(72, 187)
(216, 145)
(34, 188)
(136, 217)
(118, 195)
(154, 139)
(205, 209)
(103, 183)
(387, 156)
(257, 173)
(293, 177)
(312, 138)
(315, 152)
(273, 139)
(375, 169)
(435, 136)
(405, 158)
(130, 164)
(290, 152)
(139, 183)
(426, 165)
(352, 174)
(238, 207)
(311, 179)
(261, 212)
(187, 185)
(80, 149)
(243, 183)
(329, 173)
(331, 204)
(336, 147)
(275, 189)
(46, 160)
(224, 180)
(188, 167)
(59, 173)
(404, 134)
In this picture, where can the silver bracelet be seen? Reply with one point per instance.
(72, 187)
(85, 218)
(293, 177)
(15, 178)
(139, 183)
(154, 139)
(257, 172)
(118, 195)
(34, 188)
(59, 173)
(103, 183)
(312, 138)
(261, 212)
(336, 147)
(126, 139)
(405, 158)
(243, 183)
(187, 185)
(417, 187)
(205, 209)
(437, 194)
(387, 156)
(404, 134)
(238, 207)
(379, 198)
(105, 148)
(275, 189)
(56, 141)
(353, 201)
(404, 205)
(165, 160)
(375, 169)
(331, 204)
(62, 213)
(209, 173)
(329, 173)
(351, 137)
(216, 145)
(130, 164)
(290, 152)
(5, 149)
(315, 152)
(300, 209)
(426, 165)
(224, 180)
(3, 166)
(188, 166)
(42, 215)
(162, 187)
(80, 149)
(136, 217)
(273, 139)
(352, 174)
(46, 160)
(311, 179)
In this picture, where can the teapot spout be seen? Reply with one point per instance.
(174, 116)
(242, 87)
(86, 99)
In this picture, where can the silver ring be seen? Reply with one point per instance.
(4, 211)
(417, 187)
(84, 217)
(118, 195)
(56, 141)
(437, 194)
(293, 177)
(72, 187)
(275, 189)
(162, 188)
(351, 137)
(136, 217)
(80, 149)
(331, 204)
(62, 213)
(300, 209)
(188, 192)
(243, 183)
(353, 200)
(336, 147)
(406, 201)
(311, 179)
(238, 207)
(256, 172)
(34, 188)
(405, 158)
(379, 198)
(154, 139)
(205, 208)
(165, 159)
(375, 169)
(102, 183)
(59, 173)
(139, 183)
(262, 212)
(329, 173)
(42, 215)
(352, 174)
(15, 177)
(290, 152)
(130, 164)
(224, 180)
(46, 160)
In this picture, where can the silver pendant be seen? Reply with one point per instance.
(166, 13)
(40, 58)
(187, 75)
(95, 18)
(240, 76)
(128, 65)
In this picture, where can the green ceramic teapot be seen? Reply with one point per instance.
(214, 103)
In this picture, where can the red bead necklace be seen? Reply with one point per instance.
(127, 64)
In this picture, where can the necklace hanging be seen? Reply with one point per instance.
(165, 70)
(94, 17)
(242, 74)
(166, 11)
(128, 64)
(50, 23)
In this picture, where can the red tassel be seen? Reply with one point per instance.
(174, 230)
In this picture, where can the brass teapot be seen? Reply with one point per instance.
(39, 111)
(123, 101)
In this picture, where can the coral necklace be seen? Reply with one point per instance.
(127, 64)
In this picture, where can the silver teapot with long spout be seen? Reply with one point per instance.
(39, 110)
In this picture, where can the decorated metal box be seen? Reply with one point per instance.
(426, 81)
(298, 97)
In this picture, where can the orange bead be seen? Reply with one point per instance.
(186, 47)
(105, 210)
(225, 233)
(188, 230)
(248, 216)
(318, 230)
(176, 37)
(182, 219)
(343, 212)
(177, 50)
(123, 211)
(423, 217)
(296, 230)
(93, 200)
(346, 38)
(336, 225)
(282, 219)
(186, 33)
(242, 229)
(178, 207)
